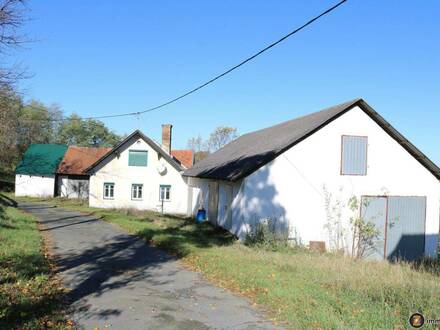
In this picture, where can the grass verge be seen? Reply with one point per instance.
(299, 288)
(30, 295)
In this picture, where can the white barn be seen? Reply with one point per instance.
(138, 173)
(35, 174)
(303, 173)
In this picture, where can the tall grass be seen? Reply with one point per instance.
(30, 296)
(300, 289)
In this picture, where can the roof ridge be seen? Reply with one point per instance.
(158, 148)
(253, 150)
(311, 114)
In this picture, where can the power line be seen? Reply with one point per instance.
(137, 113)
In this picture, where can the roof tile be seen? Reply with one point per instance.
(77, 159)
(185, 157)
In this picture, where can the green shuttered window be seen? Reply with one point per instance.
(137, 158)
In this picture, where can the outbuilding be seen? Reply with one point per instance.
(35, 174)
(71, 180)
(304, 173)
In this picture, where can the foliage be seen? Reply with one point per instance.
(221, 136)
(12, 17)
(9, 112)
(22, 125)
(198, 146)
(35, 125)
(334, 225)
(300, 288)
(268, 233)
(85, 133)
(364, 232)
(30, 296)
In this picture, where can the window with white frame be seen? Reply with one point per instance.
(109, 190)
(354, 151)
(136, 191)
(165, 193)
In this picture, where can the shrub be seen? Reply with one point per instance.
(269, 233)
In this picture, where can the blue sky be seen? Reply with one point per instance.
(103, 57)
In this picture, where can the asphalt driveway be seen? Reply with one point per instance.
(117, 281)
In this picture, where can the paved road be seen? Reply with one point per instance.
(119, 282)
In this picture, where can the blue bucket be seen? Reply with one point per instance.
(201, 215)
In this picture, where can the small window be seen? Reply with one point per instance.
(136, 191)
(354, 155)
(137, 158)
(165, 193)
(109, 190)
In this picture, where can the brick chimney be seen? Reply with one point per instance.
(166, 137)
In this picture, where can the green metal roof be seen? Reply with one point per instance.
(41, 159)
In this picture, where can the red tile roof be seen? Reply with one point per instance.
(185, 157)
(77, 159)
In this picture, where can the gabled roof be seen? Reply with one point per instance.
(138, 134)
(251, 151)
(41, 159)
(77, 159)
(185, 157)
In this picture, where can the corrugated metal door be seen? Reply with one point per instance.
(400, 221)
(374, 210)
(406, 227)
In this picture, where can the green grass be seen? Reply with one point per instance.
(30, 296)
(299, 288)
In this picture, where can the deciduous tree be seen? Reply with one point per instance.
(86, 133)
(221, 136)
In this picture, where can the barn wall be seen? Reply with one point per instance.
(295, 187)
(116, 170)
(34, 185)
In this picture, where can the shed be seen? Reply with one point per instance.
(35, 173)
(71, 179)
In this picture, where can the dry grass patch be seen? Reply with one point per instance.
(30, 294)
(300, 289)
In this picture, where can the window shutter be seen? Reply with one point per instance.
(354, 155)
(137, 158)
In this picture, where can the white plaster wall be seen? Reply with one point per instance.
(200, 196)
(34, 185)
(199, 189)
(116, 170)
(73, 188)
(292, 186)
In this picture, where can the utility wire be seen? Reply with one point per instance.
(137, 113)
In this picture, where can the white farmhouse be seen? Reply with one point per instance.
(303, 173)
(138, 173)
